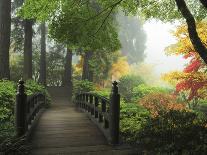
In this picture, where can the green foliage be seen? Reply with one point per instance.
(33, 87)
(103, 92)
(7, 100)
(127, 84)
(143, 89)
(82, 86)
(174, 131)
(7, 104)
(132, 118)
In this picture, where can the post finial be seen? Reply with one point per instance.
(21, 87)
(115, 87)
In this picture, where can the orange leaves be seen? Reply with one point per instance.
(156, 102)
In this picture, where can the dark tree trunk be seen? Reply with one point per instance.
(42, 79)
(5, 30)
(196, 41)
(68, 68)
(28, 32)
(67, 80)
(87, 73)
(204, 2)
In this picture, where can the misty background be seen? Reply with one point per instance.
(145, 42)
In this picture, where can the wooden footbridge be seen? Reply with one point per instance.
(89, 126)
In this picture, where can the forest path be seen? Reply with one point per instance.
(64, 130)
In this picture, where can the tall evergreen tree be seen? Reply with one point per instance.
(42, 78)
(28, 33)
(5, 30)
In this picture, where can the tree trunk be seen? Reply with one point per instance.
(67, 80)
(28, 32)
(42, 78)
(68, 68)
(87, 73)
(196, 41)
(5, 30)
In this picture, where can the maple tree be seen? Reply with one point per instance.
(193, 79)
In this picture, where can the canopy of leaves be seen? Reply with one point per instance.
(193, 78)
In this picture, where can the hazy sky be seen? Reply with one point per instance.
(158, 38)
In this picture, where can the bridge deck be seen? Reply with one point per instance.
(62, 129)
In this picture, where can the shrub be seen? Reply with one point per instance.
(173, 132)
(127, 84)
(132, 116)
(7, 104)
(7, 100)
(103, 92)
(156, 102)
(33, 87)
(143, 90)
(82, 86)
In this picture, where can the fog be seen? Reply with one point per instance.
(132, 37)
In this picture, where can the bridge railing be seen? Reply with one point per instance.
(27, 110)
(105, 113)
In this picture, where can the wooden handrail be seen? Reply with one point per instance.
(27, 110)
(105, 113)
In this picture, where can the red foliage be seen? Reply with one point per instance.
(193, 66)
(192, 85)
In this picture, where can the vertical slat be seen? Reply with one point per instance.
(95, 107)
(91, 105)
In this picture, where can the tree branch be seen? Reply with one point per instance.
(193, 34)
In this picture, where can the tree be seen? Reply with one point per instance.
(193, 79)
(132, 37)
(67, 79)
(28, 33)
(196, 41)
(42, 78)
(5, 30)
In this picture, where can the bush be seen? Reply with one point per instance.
(156, 102)
(33, 87)
(175, 132)
(82, 86)
(7, 104)
(143, 90)
(132, 116)
(104, 92)
(7, 100)
(127, 84)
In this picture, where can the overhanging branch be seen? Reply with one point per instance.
(193, 34)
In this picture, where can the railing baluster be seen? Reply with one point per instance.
(91, 105)
(87, 107)
(95, 107)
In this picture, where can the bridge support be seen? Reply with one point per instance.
(20, 110)
(114, 114)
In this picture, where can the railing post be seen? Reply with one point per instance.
(21, 110)
(114, 114)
